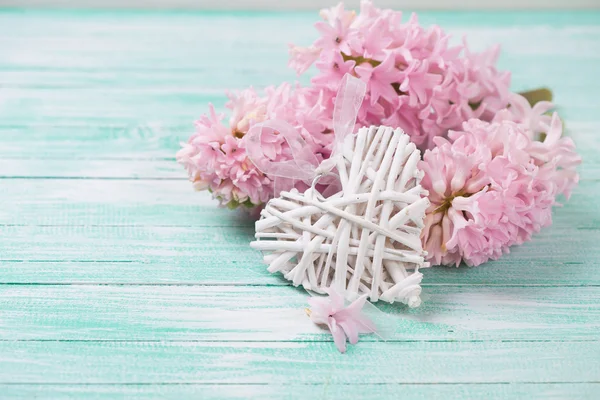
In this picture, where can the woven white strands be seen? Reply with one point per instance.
(363, 239)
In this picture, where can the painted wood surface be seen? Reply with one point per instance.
(272, 313)
(280, 362)
(302, 4)
(117, 280)
(438, 390)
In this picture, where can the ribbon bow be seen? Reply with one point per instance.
(304, 165)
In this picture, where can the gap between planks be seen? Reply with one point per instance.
(283, 284)
(277, 341)
(225, 383)
(301, 391)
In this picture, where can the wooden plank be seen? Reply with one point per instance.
(157, 202)
(133, 202)
(161, 231)
(537, 263)
(154, 169)
(276, 313)
(112, 202)
(169, 246)
(136, 140)
(298, 363)
(118, 107)
(296, 5)
(123, 243)
(489, 391)
(58, 19)
(247, 269)
(116, 43)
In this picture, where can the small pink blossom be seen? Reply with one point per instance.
(557, 158)
(343, 321)
(246, 107)
(338, 14)
(379, 80)
(301, 58)
(535, 117)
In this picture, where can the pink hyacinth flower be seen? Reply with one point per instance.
(415, 79)
(342, 321)
(491, 187)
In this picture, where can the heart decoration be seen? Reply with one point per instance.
(365, 239)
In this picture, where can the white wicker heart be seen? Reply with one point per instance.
(365, 238)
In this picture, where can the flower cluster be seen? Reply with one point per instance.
(493, 164)
(415, 80)
(492, 186)
(215, 156)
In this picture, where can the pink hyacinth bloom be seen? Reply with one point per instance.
(491, 186)
(219, 164)
(215, 155)
(415, 80)
(343, 321)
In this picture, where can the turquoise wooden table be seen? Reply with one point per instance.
(117, 280)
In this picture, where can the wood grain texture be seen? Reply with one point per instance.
(270, 5)
(165, 255)
(297, 362)
(326, 391)
(160, 254)
(117, 280)
(105, 169)
(276, 313)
